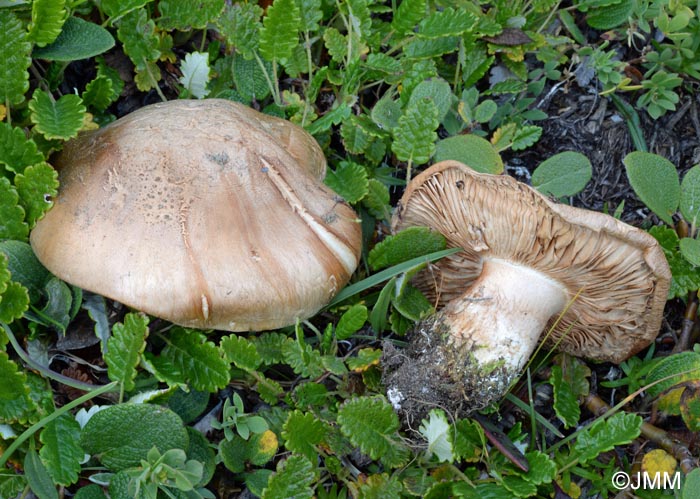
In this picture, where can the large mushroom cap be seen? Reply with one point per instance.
(205, 213)
(614, 276)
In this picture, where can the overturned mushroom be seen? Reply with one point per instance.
(205, 213)
(529, 267)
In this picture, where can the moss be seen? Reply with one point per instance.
(434, 372)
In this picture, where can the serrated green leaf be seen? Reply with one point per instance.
(349, 180)
(472, 150)
(542, 468)
(279, 34)
(427, 48)
(61, 453)
(563, 174)
(678, 368)
(366, 357)
(37, 186)
(377, 200)
(436, 430)
(57, 119)
(117, 8)
(690, 196)
(415, 135)
(270, 346)
(336, 44)
(12, 225)
(568, 387)
(372, 425)
(141, 43)
(250, 79)
(48, 17)
(381, 486)
(310, 14)
(685, 276)
(351, 321)
(411, 303)
(269, 390)
(195, 73)
(92, 491)
(525, 136)
(405, 245)
(386, 112)
(293, 478)
(241, 352)
(468, 440)
(302, 432)
(409, 13)
(99, 93)
(354, 137)
(603, 435)
(125, 347)
(447, 22)
(185, 15)
(198, 360)
(79, 39)
(655, 180)
(436, 89)
(17, 151)
(38, 477)
(121, 435)
(15, 47)
(240, 25)
(14, 301)
(610, 16)
(15, 404)
(304, 360)
(690, 249)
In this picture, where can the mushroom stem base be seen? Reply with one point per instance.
(466, 356)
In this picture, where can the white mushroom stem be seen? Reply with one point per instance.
(500, 318)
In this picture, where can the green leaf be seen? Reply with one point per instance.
(38, 477)
(405, 245)
(14, 301)
(436, 89)
(409, 13)
(472, 150)
(141, 43)
(310, 14)
(563, 174)
(303, 359)
(16, 59)
(125, 347)
(293, 478)
(302, 432)
(381, 486)
(99, 93)
(250, 78)
(36, 186)
(12, 225)
(436, 430)
(655, 180)
(351, 321)
(195, 73)
(568, 379)
(279, 34)
(414, 137)
(92, 491)
(117, 8)
(610, 16)
(685, 276)
(690, 249)
(678, 368)
(377, 200)
(57, 119)
(366, 358)
(542, 468)
(15, 404)
(447, 22)
(270, 346)
(241, 352)
(603, 435)
(372, 425)
(349, 180)
(185, 15)
(79, 39)
(336, 44)
(197, 360)
(24, 267)
(240, 25)
(17, 151)
(48, 17)
(690, 196)
(411, 303)
(468, 440)
(121, 435)
(61, 453)
(426, 48)
(692, 484)
(386, 112)
(525, 136)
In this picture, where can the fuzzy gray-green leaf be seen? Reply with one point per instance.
(690, 195)
(79, 39)
(563, 174)
(655, 180)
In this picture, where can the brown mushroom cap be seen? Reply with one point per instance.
(615, 276)
(205, 213)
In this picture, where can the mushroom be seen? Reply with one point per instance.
(205, 213)
(596, 287)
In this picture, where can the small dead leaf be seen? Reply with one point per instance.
(510, 37)
(658, 461)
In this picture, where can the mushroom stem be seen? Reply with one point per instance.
(500, 318)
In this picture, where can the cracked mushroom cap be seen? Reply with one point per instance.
(205, 213)
(616, 276)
